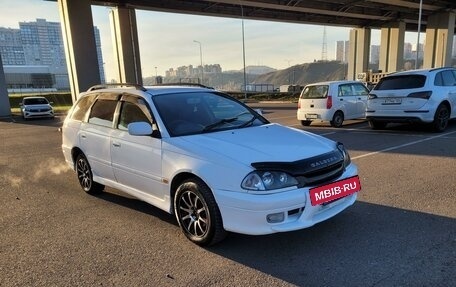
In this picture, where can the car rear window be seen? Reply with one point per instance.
(315, 92)
(401, 82)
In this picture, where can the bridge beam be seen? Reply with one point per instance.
(358, 57)
(80, 48)
(392, 48)
(439, 40)
(125, 43)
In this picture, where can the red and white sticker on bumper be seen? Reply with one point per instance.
(335, 190)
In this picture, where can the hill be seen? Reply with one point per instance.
(305, 74)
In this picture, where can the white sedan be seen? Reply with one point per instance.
(207, 158)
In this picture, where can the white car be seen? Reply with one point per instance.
(207, 158)
(333, 102)
(421, 96)
(36, 107)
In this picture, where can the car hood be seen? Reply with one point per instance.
(271, 142)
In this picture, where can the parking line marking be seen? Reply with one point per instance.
(403, 145)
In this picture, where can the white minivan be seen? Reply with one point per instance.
(333, 101)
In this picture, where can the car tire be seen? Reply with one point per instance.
(85, 176)
(376, 125)
(197, 213)
(441, 118)
(337, 119)
(306, 123)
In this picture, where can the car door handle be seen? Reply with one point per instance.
(116, 144)
(83, 136)
(341, 100)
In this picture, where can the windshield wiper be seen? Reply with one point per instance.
(219, 123)
(249, 122)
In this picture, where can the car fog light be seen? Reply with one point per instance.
(275, 217)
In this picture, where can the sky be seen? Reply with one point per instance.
(166, 40)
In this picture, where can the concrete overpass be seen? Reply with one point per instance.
(393, 17)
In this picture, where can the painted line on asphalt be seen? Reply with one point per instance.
(403, 145)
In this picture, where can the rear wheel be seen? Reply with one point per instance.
(376, 125)
(197, 213)
(306, 123)
(337, 119)
(441, 118)
(85, 176)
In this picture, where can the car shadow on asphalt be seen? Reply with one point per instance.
(367, 245)
(122, 199)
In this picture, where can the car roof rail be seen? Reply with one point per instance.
(184, 84)
(107, 85)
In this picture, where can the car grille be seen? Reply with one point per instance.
(39, 110)
(311, 171)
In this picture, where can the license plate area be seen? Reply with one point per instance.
(335, 190)
(392, 101)
(311, 116)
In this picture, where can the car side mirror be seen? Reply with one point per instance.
(143, 129)
(140, 129)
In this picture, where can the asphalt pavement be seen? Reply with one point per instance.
(400, 232)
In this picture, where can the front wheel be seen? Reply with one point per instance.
(197, 213)
(85, 176)
(441, 118)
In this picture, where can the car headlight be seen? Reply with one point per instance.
(268, 180)
(345, 154)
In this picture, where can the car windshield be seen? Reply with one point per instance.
(401, 82)
(203, 112)
(315, 92)
(36, 101)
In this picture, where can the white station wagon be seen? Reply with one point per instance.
(207, 158)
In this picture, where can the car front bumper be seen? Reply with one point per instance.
(247, 213)
(36, 114)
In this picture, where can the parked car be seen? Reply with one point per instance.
(417, 96)
(334, 101)
(36, 107)
(207, 158)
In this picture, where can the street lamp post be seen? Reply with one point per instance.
(418, 37)
(201, 60)
(243, 52)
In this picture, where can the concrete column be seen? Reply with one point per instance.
(358, 55)
(80, 48)
(439, 40)
(125, 43)
(5, 108)
(392, 48)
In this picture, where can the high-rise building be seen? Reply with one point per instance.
(11, 47)
(374, 54)
(40, 43)
(342, 50)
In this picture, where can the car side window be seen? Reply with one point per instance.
(130, 113)
(448, 78)
(345, 90)
(360, 90)
(81, 108)
(102, 112)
